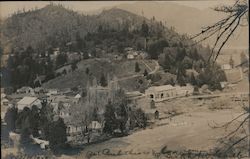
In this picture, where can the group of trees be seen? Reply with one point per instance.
(22, 68)
(38, 123)
(120, 116)
(212, 75)
(178, 60)
(155, 48)
(61, 59)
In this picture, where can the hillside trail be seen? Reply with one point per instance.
(157, 67)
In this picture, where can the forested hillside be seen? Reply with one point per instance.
(29, 37)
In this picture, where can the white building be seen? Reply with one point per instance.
(234, 75)
(52, 92)
(184, 90)
(226, 67)
(161, 93)
(165, 92)
(28, 102)
(130, 56)
(26, 90)
(4, 100)
(95, 125)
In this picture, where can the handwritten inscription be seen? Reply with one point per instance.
(162, 153)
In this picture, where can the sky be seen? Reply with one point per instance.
(8, 7)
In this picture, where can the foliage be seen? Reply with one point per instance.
(87, 71)
(110, 119)
(57, 134)
(10, 118)
(61, 59)
(170, 81)
(167, 62)
(144, 29)
(64, 72)
(145, 73)
(155, 48)
(74, 66)
(154, 77)
(34, 121)
(116, 114)
(103, 81)
(212, 75)
(22, 68)
(70, 32)
(23, 123)
(141, 120)
(137, 67)
(192, 79)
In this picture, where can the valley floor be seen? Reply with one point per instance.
(192, 130)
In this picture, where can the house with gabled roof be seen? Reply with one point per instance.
(28, 102)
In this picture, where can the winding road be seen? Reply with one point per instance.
(157, 67)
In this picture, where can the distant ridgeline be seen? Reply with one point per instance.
(37, 42)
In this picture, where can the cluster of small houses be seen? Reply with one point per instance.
(129, 53)
(27, 97)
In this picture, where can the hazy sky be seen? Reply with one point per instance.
(7, 8)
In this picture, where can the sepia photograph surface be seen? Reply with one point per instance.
(125, 79)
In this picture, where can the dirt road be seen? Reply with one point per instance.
(157, 67)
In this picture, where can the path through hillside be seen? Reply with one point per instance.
(152, 71)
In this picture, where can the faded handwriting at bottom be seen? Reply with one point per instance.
(162, 153)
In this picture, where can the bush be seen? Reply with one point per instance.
(137, 68)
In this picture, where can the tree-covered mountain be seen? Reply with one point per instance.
(55, 25)
(28, 36)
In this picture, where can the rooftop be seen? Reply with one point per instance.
(27, 100)
(233, 75)
(160, 88)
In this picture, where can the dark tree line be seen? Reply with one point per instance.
(23, 67)
(119, 116)
(38, 123)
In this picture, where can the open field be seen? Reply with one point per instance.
(184, 132)
(190, 130)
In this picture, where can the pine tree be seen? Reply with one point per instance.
(124, 117)
(144, 29)
(74, 66)
(10, 118)
(110, 119)
(137, 68)
(193, 80)
(167, 63)
(58, 137)
(145, 73)
(95, 114)
(181, 80)
(172, 82)
(231, 62)
(87, 70)
(103, 81)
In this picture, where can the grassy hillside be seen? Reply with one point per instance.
(120, 69)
